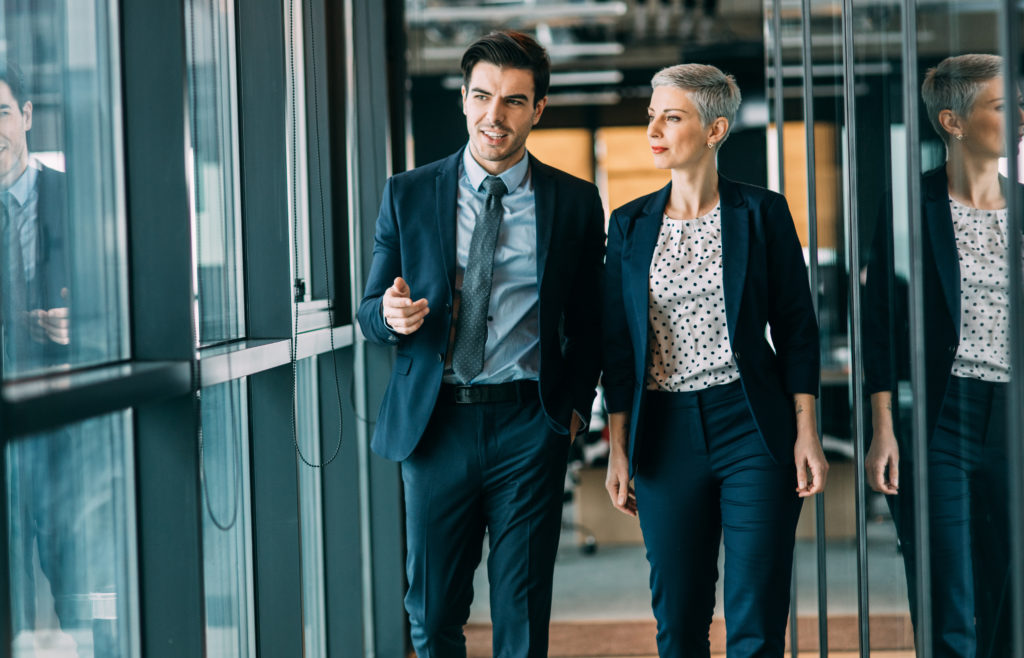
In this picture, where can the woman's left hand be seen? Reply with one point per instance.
(811, 466)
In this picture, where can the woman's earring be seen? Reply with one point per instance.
(711, 145)
(960, 137)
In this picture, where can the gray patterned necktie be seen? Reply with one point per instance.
(471, 325)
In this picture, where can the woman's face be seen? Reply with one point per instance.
(985, 125)
(674, 131)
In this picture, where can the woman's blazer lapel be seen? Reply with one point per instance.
(646, 227)
(943, 241)
(735, 249)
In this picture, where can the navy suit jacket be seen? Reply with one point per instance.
(884, 331)
(764, 283)
(415, 239)
(50, 286)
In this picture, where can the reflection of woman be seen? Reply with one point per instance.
(966, 325)
(701, 407)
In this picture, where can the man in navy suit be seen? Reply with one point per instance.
(486, 276)
(33, 222)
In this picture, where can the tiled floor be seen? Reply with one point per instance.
(601, 604)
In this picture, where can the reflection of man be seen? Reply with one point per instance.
(484, 392)
(33, 216)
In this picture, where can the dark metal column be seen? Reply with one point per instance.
(1009, 37)
(812, 249)
(170, 560)
(856, 351)
(922, 628)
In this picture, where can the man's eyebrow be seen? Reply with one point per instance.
(478, 90)
(5, 106)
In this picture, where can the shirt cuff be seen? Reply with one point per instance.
(394, 335)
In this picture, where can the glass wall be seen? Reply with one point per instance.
(61, 187)
(71, 518)
(160, 324)
(923, 103)
(210, 35)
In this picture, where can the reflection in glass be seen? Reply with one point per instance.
(214, 167)
(311, 509)
(227, 548)
(61, 213)
(70, 518)
(966, 365)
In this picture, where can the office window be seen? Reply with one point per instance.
(71, 529)
(227, 543)
(61, 199)
(213, 175)
(311, 509)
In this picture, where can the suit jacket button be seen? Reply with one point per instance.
(440, 357)
(737, 355)
(448, 308)
(952, 349)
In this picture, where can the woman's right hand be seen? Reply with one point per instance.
(617, 481)
(884, 454)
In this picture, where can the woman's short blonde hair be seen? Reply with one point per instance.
(713, 92)
(955, 84)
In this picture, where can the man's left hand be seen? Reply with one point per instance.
(574, 426)
(50, 325)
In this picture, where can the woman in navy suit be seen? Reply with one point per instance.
(715, 422)
(966, 363)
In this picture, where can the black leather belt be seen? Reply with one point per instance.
(516, 391)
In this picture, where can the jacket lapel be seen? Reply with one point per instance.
(446, 192)
(646, 227)
(544, 201)
(940, 232)
(735, 249)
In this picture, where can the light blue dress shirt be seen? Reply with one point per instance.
(512, 350)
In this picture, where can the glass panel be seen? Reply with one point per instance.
(227, 545)
(61, 202)
(311, 509)
(71, 519)
(213, 174)
(298, 171)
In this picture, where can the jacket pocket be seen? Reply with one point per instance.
(403, 363)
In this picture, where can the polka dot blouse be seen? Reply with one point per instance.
(981, 243)
(689, 342)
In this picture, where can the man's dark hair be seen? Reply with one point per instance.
(11, 75)
(506, 48)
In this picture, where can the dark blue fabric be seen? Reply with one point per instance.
(415, 239)
(703, 475)
(764, 283)
(51, 286)
(885, 331)
(498, 467)
(968, 521)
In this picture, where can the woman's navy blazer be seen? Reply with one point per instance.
(765, 286)
(885, 331)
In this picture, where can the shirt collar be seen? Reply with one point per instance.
(25, 183)
(512, 177)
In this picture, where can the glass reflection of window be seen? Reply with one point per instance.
(311, 509)
(60, 84)
(210, 32)
(227, 548)
(70, 536)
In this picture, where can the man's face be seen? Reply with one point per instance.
(500, 112)
(15, 122)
